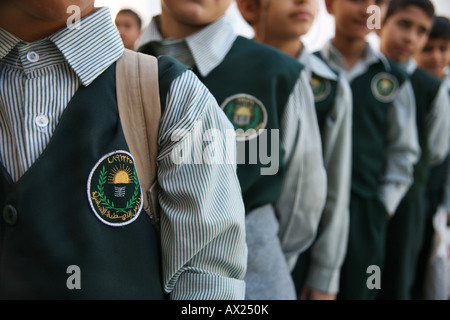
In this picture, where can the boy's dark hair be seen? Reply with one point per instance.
(134, 14)
(396, 5)
(440, 29)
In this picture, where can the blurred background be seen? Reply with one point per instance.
(321, 31)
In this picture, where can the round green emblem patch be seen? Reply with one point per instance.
(247, 114)
(114, 192)
(321, 88)
(384, 87)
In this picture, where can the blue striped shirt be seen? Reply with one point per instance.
(39, 79)
(202, 217)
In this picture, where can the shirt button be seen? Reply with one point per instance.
(41, 121)
(33, 56)
(10, 215)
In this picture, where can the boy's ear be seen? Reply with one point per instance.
(249, 10)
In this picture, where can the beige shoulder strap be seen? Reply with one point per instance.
(140, 112)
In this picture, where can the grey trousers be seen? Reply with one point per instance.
(268, 276)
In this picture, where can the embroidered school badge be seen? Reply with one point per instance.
(114, 192)
(384, 87)
(247, 114)
(321, 88)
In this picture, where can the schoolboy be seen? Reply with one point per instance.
(281, 24)
(404, 33)
(435, 58)
(266, 95)
(59, 127)
(385, 145)
(130, 25)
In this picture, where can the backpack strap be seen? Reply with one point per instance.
(138, 101)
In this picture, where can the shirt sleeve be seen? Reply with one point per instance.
(402, 149)
(445, 203)
(303, 193)
(329, 248)
(204, 253)
(438, 125)
(446, 192)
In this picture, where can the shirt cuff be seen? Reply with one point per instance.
(195, 286)
(323, 279)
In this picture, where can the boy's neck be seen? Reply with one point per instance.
(171, 28)
(402, 62)
(351, 49)
(291, 47)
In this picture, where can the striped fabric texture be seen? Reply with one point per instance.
(38, 80)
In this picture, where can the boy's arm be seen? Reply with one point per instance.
(402, 150)
(300, 205)
(329, 248)
(204, 252)
(438, 125)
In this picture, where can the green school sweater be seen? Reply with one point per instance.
(66, 231)
(425, 88)
(324, 91)
(373, 94)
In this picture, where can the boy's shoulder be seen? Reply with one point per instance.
(168, 70)
(396, 69)
(320, 67)
(427, 78)
(264, 54)
(425, 83)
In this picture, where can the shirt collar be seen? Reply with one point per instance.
(89, 47)
(8, 42)
(335, 59)
(371, 56)
(93, 47)
(314, 64)
(409, 65)
(208, 47)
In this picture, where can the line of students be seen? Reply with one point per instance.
(344, 124)
(258, 88)
(435, 58)
(382, 121)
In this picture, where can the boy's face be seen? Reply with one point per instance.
(284, 19)
(128, 28)
(351, 16)
(405, 33)
(435, 56)
(195, 12)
